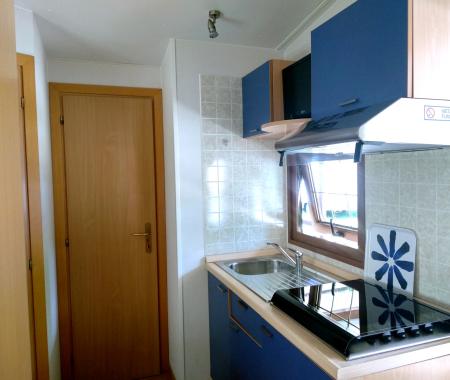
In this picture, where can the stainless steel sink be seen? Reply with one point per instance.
(260, 267)
(266, 275)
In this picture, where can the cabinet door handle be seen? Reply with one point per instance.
(242, 304)
(222, 289)
(349, 102)
(266, 331)
(234, 327)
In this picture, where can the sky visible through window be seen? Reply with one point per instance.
(335, 190)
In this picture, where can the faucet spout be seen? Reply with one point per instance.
(297, 262)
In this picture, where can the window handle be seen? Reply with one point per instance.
(335, 232)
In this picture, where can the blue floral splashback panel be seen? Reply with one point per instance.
(391, 257)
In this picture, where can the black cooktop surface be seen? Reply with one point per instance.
(345, 314)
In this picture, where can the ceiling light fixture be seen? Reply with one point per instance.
(213, 16)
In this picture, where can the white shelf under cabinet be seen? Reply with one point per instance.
(279, 129)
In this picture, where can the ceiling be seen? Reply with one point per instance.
(137, 31)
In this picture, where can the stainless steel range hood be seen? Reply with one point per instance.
(404, 124)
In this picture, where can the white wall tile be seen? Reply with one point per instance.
(243, 185)
(412, 190)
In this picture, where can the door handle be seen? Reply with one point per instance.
(148, 237)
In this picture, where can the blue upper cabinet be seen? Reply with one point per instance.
(360, 57)
(256, 102)
(262, 96)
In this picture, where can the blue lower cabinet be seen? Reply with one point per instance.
(245, 315)
(219, 330)
(246, 347)
(283, 361)
(246, 356)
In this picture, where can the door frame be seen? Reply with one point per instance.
(57, 91)
(32, 175)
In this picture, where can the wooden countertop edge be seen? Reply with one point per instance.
(308, 343)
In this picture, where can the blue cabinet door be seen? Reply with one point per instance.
(219, 330)
(360, 57)
(246, 356)
(256, 100)
(283, 361)
(267, 355)
(245, 315)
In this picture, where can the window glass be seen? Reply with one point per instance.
(335, 188)
(326, 207)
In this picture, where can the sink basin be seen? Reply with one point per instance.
(260, 267)
(266, 275)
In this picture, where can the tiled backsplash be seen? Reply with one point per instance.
(243, 186)
(244, 202)
(412, 190)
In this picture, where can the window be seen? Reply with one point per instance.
(326, 207)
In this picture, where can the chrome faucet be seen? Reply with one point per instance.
(297, 262)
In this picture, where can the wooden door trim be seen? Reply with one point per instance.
(57, 90)
(31, 149)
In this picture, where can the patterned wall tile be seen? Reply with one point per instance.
(243, 186)
(412, 190)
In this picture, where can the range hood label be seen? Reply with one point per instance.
(437, 113)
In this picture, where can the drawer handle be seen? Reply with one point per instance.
(349, 102)
(266, 331)
(234, 327)
(243, 304)
(222, 289)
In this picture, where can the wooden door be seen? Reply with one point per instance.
(15, 351)
(110, 190)
(26, 217)
(28, 129)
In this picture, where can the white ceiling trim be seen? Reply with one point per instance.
(306, 23)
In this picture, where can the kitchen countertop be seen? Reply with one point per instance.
(313, 347)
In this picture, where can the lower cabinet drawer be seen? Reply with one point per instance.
(246, 317)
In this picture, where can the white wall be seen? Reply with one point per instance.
(112, 74)
(28, 41)
(174, 262)
(301, 45)
(192, 59)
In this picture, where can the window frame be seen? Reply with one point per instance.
(324, 247)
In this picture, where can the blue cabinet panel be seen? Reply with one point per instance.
(265, 356)
(245, 315)
(256, 100)
(360, 57)
(246, 357)
(220, 332)
(283, 361)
